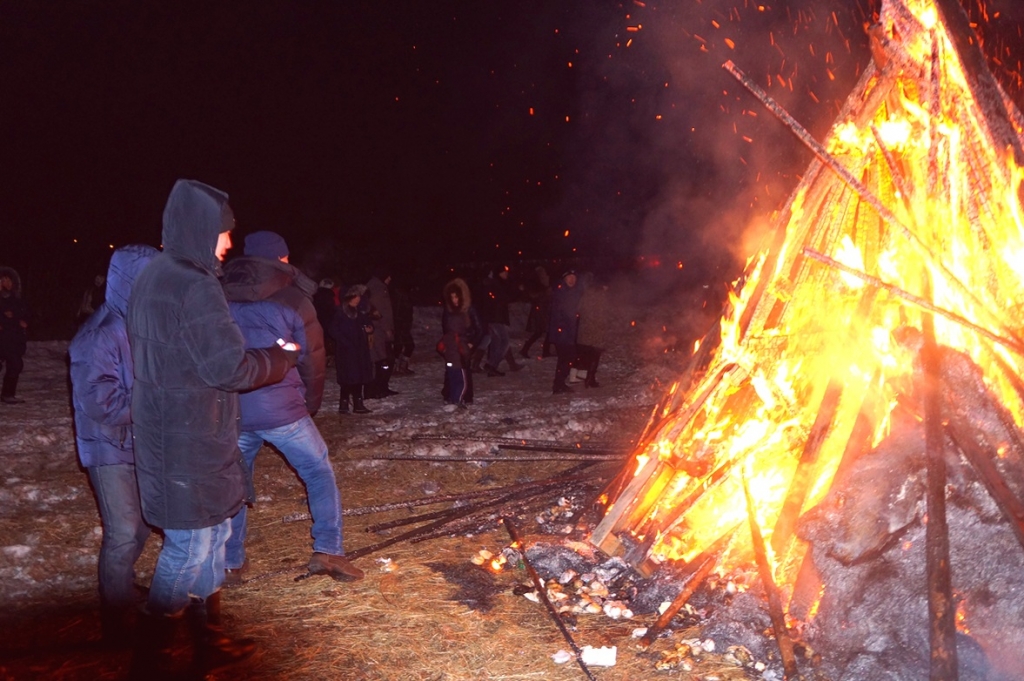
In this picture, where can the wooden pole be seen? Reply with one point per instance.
(941, 607)
(775, 611)
(542, 593)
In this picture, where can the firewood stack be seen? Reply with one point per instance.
(899, 249)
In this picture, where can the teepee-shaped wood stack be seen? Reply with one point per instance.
(909, 217)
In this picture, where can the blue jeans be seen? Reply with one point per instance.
(306, 452)
(191, 563)
(124, 532)
(498, 334)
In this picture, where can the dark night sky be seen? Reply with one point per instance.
(442, 131)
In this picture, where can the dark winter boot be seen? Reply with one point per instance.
(475, 360)
(513, 366)
(492, 370)
(10, 386)
(151, 655)
(591, 381)
(343, 404)
(213, 648)
(357, 402)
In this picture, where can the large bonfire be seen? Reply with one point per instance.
(905, 230)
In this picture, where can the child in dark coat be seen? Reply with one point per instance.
(350, 329)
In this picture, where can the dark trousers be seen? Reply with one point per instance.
(12, 369)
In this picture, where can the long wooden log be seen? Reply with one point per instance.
(513, 495)
(553, 445)
(981, 461)
(1009, 344)
(983, 85)
(775, 610)
(423, 501)
(542, 592)
(493, 458)
(941, 607)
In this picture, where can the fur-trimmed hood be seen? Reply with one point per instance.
(15, 279)
(460, 285)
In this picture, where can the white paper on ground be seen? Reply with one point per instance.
(599, 657)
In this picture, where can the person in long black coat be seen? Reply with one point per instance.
(563, 326)
(190, 364)
(350, 329)
(13, 333)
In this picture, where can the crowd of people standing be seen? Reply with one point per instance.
(185, 364)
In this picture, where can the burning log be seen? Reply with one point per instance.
(920, 302)
(775, 610)
(705, 563)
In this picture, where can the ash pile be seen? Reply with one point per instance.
(868, 546)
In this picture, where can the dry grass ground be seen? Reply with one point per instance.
(423, 612)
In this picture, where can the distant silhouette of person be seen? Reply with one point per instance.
(92, 298)
(564, 325)
(382, 342)
(461, 331)
(538, 292)
(326, 300)
(13, 333)
(351, 329)
(401, 305)
(498, 294)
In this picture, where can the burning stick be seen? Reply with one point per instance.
(942, 609)
(775, 611)
(847, 177)
(542, 592)
(706, 562)
(1013, 345)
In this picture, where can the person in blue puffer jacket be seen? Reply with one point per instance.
(267, 297)
(101, 387)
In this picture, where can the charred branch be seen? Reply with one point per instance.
(941, 608)
(542, 592)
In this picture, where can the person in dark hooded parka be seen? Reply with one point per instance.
(101, 388)
(13, 333)
(190, 363)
